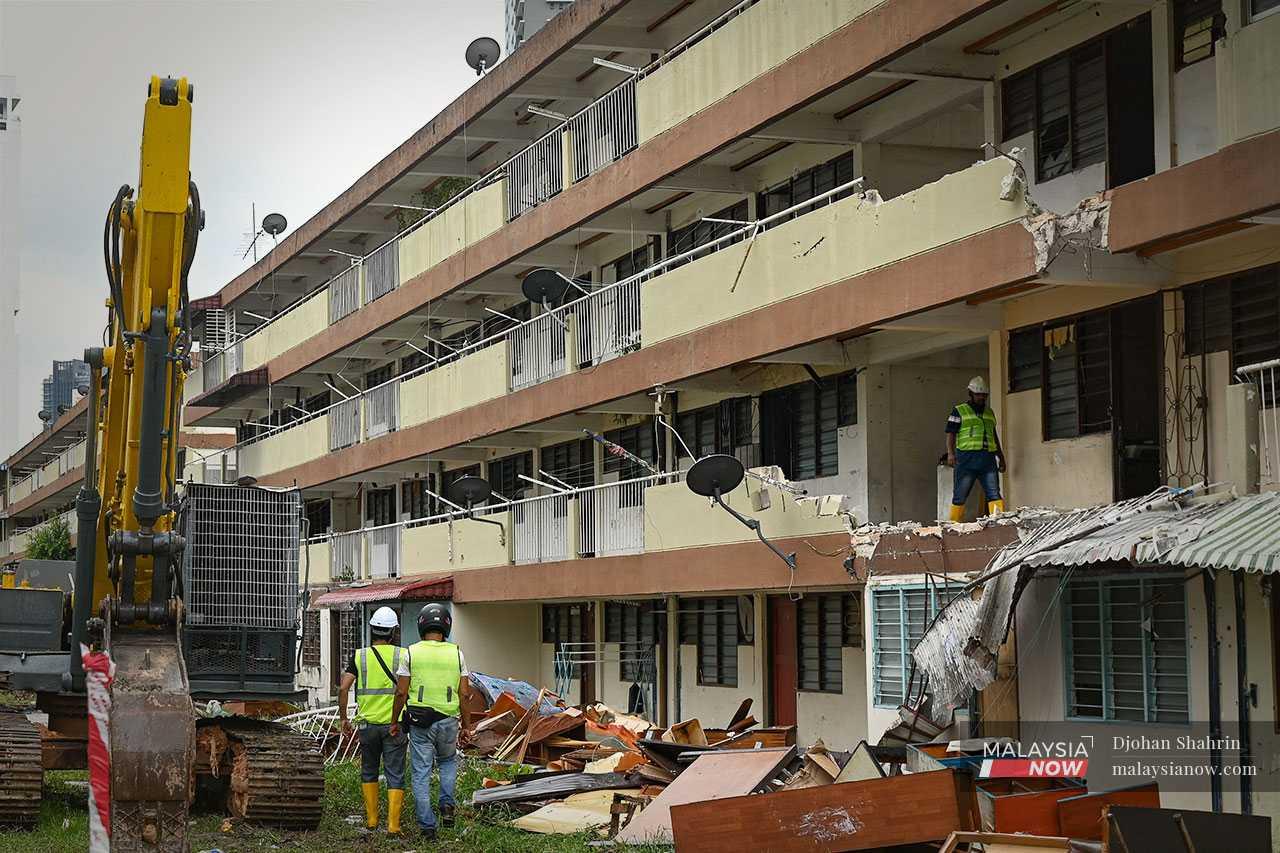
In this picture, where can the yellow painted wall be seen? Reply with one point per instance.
(309, 318)
(472, 379)
(477, 216)
(840, 719)
(1065, 472)
(824, 247)
(677, 518)
(464, 544)
(294, 446)
(318, 572)
(1248, 66)
(760, 38)
(499, 639)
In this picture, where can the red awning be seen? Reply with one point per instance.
(418, 589)
(232, 390)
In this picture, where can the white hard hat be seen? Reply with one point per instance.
(384, 617)
(978, 385)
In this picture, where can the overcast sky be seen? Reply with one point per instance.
(294, 101)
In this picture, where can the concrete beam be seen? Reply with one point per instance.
(886, 347)
(625, 220)
(710, 179)
(888, 118)
(978, 318)
(607, 39)
(808, 127)
(823, 352)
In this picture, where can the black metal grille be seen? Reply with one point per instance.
(241, 656)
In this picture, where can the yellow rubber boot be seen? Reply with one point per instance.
(370, 791)
(395, 799)
(957, 512)
(995, 506)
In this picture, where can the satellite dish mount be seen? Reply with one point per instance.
(546, 287)
(713, 476)
(468, 492)
(482, 54)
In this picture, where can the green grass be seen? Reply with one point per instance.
(63, 824)
(17, 699)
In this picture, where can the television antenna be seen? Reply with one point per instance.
(273, 224)
(482, 54)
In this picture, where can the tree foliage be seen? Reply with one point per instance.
(433, 196)
(51, 541)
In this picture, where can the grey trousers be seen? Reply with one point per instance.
(377, 745)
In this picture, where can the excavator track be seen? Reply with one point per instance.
(21, 771)
(276, 775)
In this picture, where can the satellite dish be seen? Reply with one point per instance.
(247, 480)
(482, 54)
(469, 491)
(274, 224)
(82, 390)
(544, 287)
(44, 415)
(715, 474)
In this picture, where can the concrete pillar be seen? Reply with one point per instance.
(1242, 437)
(998, 381)
(669, 686)
(875, 397)
(990, 117)
(867, 158)
(1162, 53)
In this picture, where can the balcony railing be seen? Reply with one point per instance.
(344, 423)
(604, 131)
(1265, 376)
(537, 349)
(346, 555)
(611, 519)
(60, 465)
(536, 174)
(541, 530)
(384, 551)
(344, 293)
(609, 322)
(381, 409)
(382, 270)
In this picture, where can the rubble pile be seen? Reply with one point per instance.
(744, 786)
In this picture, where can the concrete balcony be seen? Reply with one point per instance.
(473, 217)
(740, 45)
(1248, 65)
(57, 467)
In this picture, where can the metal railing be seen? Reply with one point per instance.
(1265, 376)
(346, 555)
(536, 174)
(604, 131)
(608, 322)
(381, 409)
(541, 530)
(611, 519)
(536, 350)
(384, 551)
(344, 423)
(344, 293)
(382, 270)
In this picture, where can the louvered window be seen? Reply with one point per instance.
(637, 440)
(799, 424)
(1064, 102)
(712, 625)
(319, 516)
(378, 375)
(1197, 24)
(1240, 312)
(637, 625)
(504, 475)
(1077, 376)
(565, 623)
(1126, 647)
(379, 507)
(826, 623)
(700, 232)
(631, 263)
(311, 638)
(899, 617)
(571, 462)
(805, 185)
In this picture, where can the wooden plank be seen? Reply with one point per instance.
(1129, 829)
(712, 778)
(1035, 812)
(1082, 816)
(993, 841)
(913, 809)
(553, 787)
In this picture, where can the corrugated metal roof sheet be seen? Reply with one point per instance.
(420, 589)
(1233, 534)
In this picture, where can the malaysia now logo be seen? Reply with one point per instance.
(1040, 759)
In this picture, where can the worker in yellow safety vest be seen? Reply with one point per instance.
(973, 450)
(373, 671)
(432, 695)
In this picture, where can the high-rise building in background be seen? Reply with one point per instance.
(526, 17)
(10, 156)
(59, 388)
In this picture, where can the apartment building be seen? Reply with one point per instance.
(792, 238)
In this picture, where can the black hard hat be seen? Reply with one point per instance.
(435, 617)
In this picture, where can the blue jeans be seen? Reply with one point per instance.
(974, 465)
(437, 742)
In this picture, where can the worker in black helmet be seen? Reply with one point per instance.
(432, 697)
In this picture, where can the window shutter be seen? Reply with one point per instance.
(1061, 406)
(1094, 348)
(1019, 105)
(1197, 25)
(1255, 316)
(1089, 105)
(613, 622)
(1207, 315)
(847, 392)
(804, 404)
(828, 422)
(1053, 118)
(889, 658)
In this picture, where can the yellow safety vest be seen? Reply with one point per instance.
(375, 691)
(977, 431)
(435, 670)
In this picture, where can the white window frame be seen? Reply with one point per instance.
(934, 603)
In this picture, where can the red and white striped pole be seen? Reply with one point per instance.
(99, 670)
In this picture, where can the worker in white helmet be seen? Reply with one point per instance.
(374, 671)
(973, 450)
